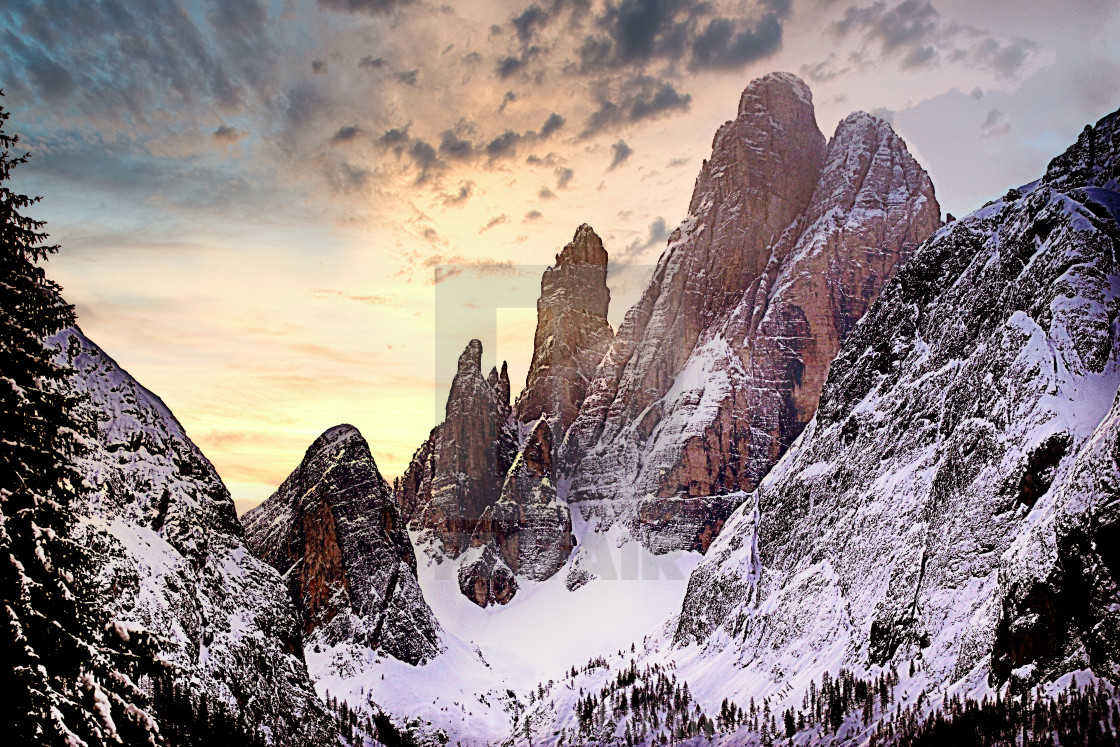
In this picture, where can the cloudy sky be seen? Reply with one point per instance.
(284, 215)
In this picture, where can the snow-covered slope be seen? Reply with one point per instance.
(947, 523)
(176, 563)
(476, 690)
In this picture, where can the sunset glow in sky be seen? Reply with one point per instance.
(255, 199)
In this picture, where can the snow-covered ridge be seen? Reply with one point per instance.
(176, 563)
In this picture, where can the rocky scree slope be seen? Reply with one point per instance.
(175, 558)
(719, 366)
(334, 532)
(955, 499)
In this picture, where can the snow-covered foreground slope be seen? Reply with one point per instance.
(475, 690)
(951, 514)
(175, 560)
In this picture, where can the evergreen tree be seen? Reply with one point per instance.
(66, 676)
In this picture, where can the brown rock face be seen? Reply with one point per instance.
(720, 365)
(335, 533)
(459, 472)
(572, 333)
(528, 529)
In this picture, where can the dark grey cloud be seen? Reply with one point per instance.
(528, 21)
(508, 66)
(665, 99)
(372, 63)
(727, 45)
(504, 145)
(408, 77)
(551, 159)
(533, 215)
(823, 71)
(909, 24)
(563, 177)
(369, 7)
(544, 193)
(914, 33)
(319, 67)
(227, 135)
(346, 134)
(1005, 58)
(995, 126)
(552, 125)
(658, 234)
(394, 138)
(620, 151)
(633, 51)
(454, 148)
(109, 62)
(508, 99)
(425, 158)
(636, 33)
(421, 155)
(638, 98)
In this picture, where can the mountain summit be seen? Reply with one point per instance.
(717, 369)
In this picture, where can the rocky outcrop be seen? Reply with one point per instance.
(459, 472)
(954, 501)
(572, 333)
(484, 578)
(334, 531)
(528, 531)
(719, 366)
(175, 561)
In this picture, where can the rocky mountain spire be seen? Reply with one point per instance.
(572, 333)
(459, 471)
(718, 367)
(333, 530)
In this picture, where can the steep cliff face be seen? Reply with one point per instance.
(572, 333)
(720, 365)
(955, 498)
(527, 532)
(176, 561)
(460, 470)
(334, 531)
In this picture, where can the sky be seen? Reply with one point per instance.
(280, 216)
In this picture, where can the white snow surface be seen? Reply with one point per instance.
(496, 654)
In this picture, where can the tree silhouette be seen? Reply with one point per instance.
(66, 674)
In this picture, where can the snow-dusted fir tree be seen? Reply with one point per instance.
(64, 673)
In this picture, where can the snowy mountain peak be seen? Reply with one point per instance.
(772, 90)
(585, 248)
(1094, 160)
(471, 358)
(335, 533)
(718, 367)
